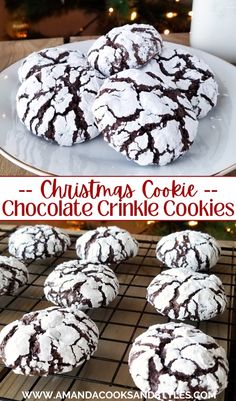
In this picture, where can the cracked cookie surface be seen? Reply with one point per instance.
(175, 358)
(48, 341)
(48, 58)
(128, 46)
(13, 275)
(189, 249)
(38, 242)
(55, 104)
(81, 285)
(144, 120)
(106, 245)
(176, 67)
(183, 294)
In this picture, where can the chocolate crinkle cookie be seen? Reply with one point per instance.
(106, 245)
(183, 294)
(38, 242)
(191, 75)
(55, 103)
(128, 46)
(175, 358)
(13, 275)
(81, 285)
(48, 58)
(48, 341)
(143, 119)
(189, 249)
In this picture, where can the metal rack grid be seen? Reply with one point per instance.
(119, 323)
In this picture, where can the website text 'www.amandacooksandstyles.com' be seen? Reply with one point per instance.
(111, 395)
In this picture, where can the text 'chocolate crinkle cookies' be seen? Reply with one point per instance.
(176, 67)
(189, 249)
(81, 285)
(128, 46)
(13, 275)
(175, 358)
(38, 242)
(143, 119)
(47, 342)
(106, 245)
(55, 103)
(48, 58)
(183, 294)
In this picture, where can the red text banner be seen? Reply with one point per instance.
(118, 198)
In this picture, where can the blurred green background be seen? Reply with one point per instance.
(22, 19)
(219, 230)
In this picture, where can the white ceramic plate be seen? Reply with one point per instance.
(214, 151)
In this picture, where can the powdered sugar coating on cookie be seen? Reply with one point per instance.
(182, 294)
(189, 249)
(176, 67)
(38, 242)
(48, 341)
(106, 245)
(128, 46)
(50, 57)
(55, 104)
(81, 285)
(13, 275)
(175, 358)
(144, 120)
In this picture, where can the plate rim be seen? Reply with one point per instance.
(24, 165)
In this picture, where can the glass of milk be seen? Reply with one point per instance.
(213, 27)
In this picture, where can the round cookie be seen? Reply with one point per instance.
(175, 358)
(50, 57)
(176, 67)
(128, 46)
(144, 120)
(81, 285)
(181, 294)
(106, 245)
(13, 275)
(48, 341)
(38, 242)
(55, 104)
(189, 249)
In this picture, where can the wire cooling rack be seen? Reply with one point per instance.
(119, 323)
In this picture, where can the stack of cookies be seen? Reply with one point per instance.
(144, 97)
(176, 358)
(60, 338)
